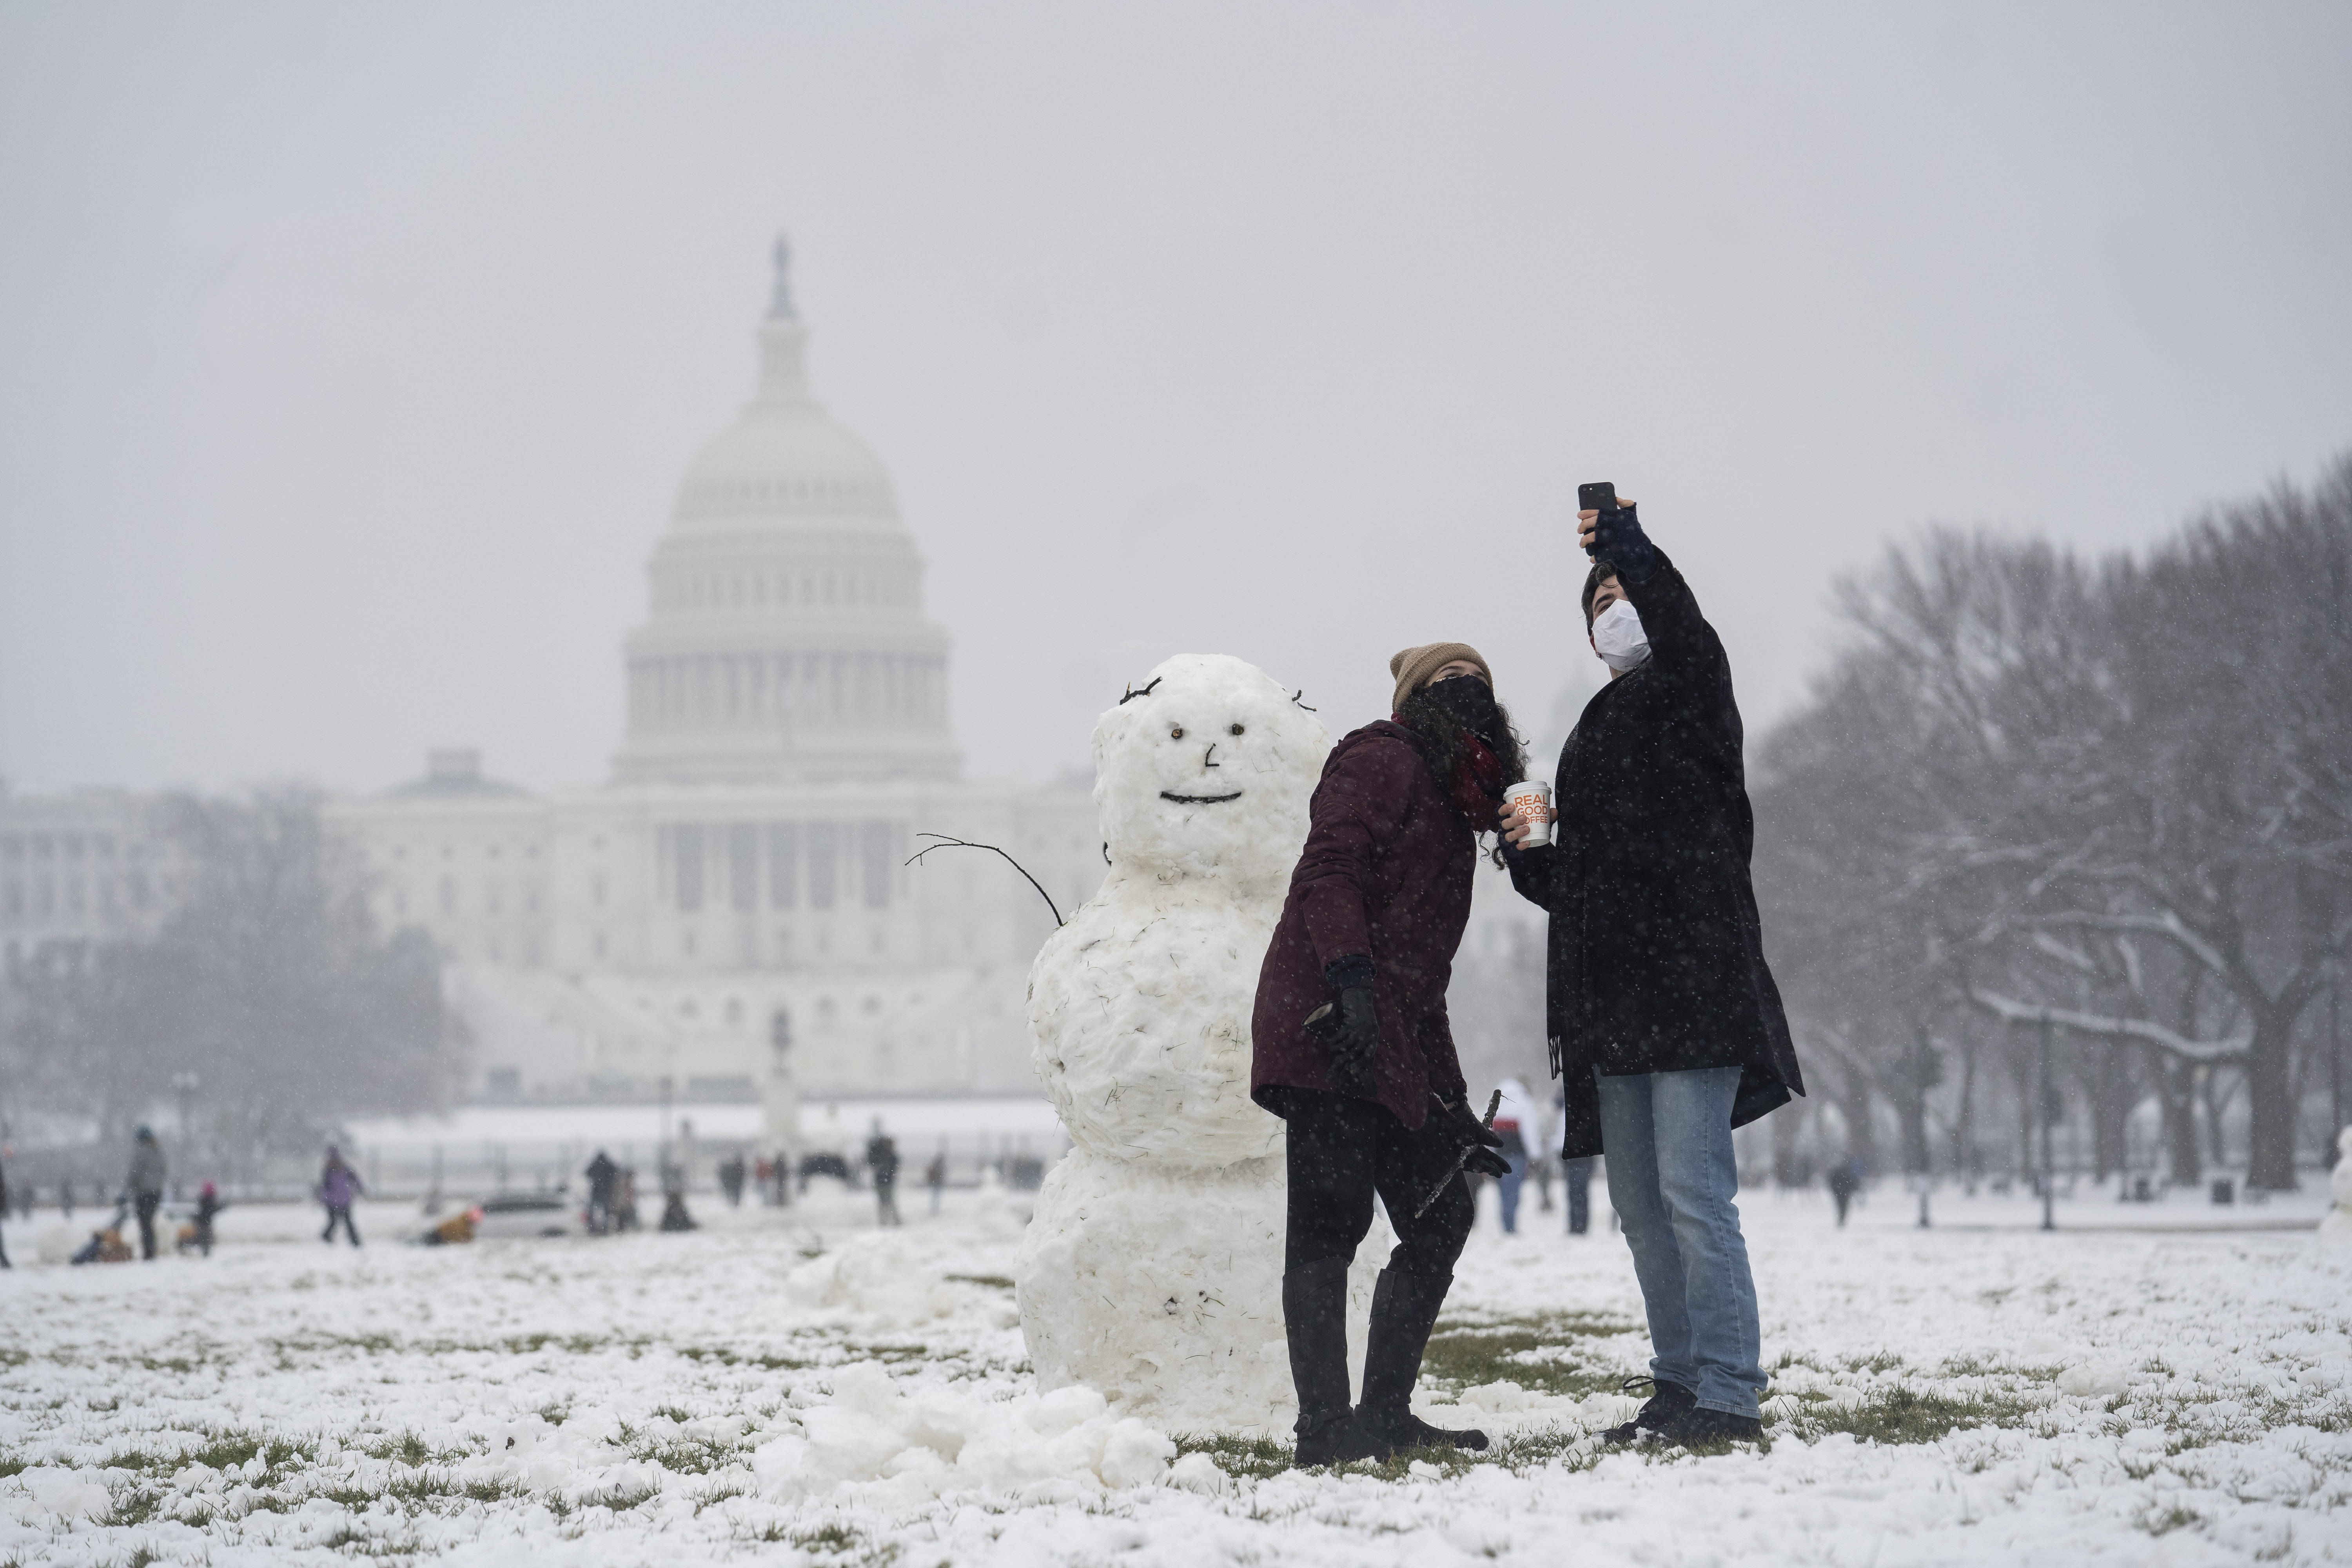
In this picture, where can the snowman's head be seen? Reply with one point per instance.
(1203, 769)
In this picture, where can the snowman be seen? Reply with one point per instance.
(1152, 1268)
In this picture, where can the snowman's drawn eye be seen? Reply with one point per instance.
(1237, 728)
(1177, 733)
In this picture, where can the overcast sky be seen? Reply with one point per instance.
(350, 355)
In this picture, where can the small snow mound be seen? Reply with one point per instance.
(2092, 1379)
(68, 1494)
(872, 1276)
(878, 1446)
(1498, 1397)
(1199, 1473)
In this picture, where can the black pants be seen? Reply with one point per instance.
(148, 1203)
(1341, 1151)
(340, 1214)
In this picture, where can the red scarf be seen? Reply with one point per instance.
(1478, 787)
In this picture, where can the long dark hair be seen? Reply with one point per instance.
(1443, 746)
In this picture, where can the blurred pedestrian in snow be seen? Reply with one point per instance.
(882, 1160)
(1665, 1025)
(339, 1185)
(208, 1208)
(935, 1176)
(1845, 1179)
(673, 1181)
(625, 1198)
(1372, 1095)
(601, 1173)
(3, 1213)
(145, 1185)
(731, 1179)
(1515, 1118)
(65, 1199)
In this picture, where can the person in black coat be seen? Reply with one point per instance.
(1665, 1026)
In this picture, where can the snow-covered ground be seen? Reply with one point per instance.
(792, 1388)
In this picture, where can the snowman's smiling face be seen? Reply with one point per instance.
(1210, 790)
(1207, 771)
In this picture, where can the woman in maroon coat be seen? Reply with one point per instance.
(1371, 1092)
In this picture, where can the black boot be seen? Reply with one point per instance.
(1315, 1315)
(1404, 1308)
(1668, 1401)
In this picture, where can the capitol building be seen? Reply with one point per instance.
(731, 911)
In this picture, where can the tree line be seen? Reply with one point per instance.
(265, 994)
(2111, 797)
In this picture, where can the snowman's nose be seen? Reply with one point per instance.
(1207, 757)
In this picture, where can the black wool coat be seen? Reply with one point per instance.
(1656, 959)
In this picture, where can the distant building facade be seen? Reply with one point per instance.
(732, 912)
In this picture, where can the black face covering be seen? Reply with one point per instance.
(1467, 700)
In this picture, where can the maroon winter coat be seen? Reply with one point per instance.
(1386, 872)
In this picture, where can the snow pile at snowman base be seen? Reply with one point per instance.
(879, 1447)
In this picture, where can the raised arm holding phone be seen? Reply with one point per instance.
(1666, 1026)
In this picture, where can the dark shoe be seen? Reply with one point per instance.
(1699, 1427)
(1315, 1316)
(1340, 1439)
(1404, 1308)
(1671, 1399)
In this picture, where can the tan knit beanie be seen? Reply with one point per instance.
(1414, 666)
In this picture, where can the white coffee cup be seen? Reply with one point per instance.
(1530, 802)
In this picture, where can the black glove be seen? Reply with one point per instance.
(1463, 1127)
(1351, 1026)
(1618, 539)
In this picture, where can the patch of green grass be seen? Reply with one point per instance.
(836, 1544)
(993, 1281)
(11, 1464)
(1259, 1459)
(622, 1499)
(1555, 1355)
(1882, 1361)
(1903, 1415)
(2169, 1519)
(685, 1456)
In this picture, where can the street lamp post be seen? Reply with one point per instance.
(2049, 1169)
(187, 1083)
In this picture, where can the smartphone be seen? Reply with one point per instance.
(1600, 497)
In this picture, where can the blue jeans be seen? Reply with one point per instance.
(1672, 1179)
(1509, 1186)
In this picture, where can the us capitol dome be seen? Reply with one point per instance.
(786, 637)
(732, 910)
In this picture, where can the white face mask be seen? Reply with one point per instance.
(1617, 636)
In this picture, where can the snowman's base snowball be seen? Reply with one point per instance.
(1162, 1286)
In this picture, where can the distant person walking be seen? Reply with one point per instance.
(935, 1176)
(339, 1185)
(731, 1179)
(1845, 1179)
(3, 1214)
(601, 1173)
(1515, 1118)
(208, 1208)
(146, 1187)
(882, 1158)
